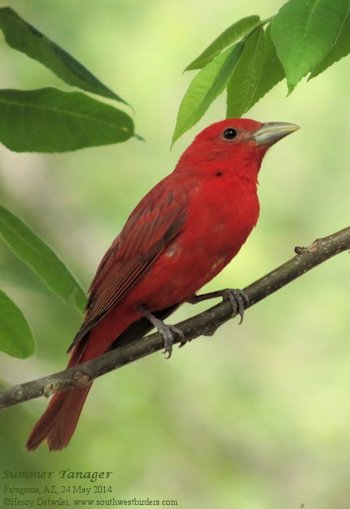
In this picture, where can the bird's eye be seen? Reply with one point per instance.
(230, 133)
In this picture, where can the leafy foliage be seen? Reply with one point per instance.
(16, 338)
(23, 37)
(227, 38)
(271, 70)
(305, 36)
(245, 77)
(304, 33)
(30, 248)
(340, 49)
(205, 87)
(48, 120)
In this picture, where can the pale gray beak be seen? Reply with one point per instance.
(270, 132)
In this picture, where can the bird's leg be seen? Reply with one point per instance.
(237, 298)
(168, 332)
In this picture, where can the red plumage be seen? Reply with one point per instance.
(181, 234)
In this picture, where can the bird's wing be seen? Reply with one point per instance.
(153, 224)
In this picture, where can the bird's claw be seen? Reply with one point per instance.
(169, 333)
(238, 300)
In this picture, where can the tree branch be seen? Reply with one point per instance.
(204, 323)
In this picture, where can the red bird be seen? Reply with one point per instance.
(181, 234)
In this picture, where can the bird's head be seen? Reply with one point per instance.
(237, 145)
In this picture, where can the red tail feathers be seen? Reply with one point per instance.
(58, 423)
(60, 419)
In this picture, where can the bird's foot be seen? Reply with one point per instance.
(237, 298)
(168, 332)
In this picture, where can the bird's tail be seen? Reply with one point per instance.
(58, 422)
(60, 419)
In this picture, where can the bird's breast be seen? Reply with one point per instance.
(218, 221)
(220, 216)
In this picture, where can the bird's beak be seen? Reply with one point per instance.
(270, 132)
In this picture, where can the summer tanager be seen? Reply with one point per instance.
(181, 234)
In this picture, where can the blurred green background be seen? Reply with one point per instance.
(258, 416)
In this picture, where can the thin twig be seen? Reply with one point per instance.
(204, 323)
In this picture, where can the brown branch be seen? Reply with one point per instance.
(204, 323)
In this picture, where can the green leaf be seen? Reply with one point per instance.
(205, 87)
(304, 32)
(271, 71)
(228, 37)
(340, 49)
(30, 248)
(245, 78)
(16, 338)
(48, 120)
(23, 37)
